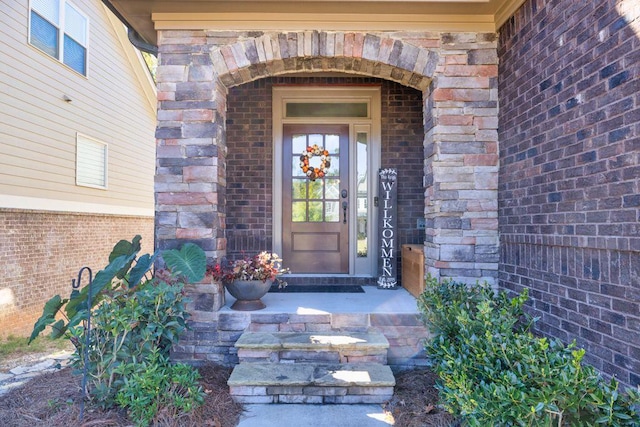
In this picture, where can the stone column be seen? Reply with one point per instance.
(461, 160)
(191, 151)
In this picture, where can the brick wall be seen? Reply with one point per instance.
(569, 204)
(40, 252)
(250, 162)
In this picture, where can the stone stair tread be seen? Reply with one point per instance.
(321, 375)
(312, 340)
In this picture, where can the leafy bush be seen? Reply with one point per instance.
(135, 320)
(493, 371)
(127, 327)
(155, 386)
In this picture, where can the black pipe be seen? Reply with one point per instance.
(134, 37)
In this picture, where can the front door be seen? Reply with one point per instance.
(315, 198)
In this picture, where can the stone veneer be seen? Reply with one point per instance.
(213, 335)
(456, 74)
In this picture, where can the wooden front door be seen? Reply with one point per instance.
(315, 198)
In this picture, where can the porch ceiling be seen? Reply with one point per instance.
(148, 16)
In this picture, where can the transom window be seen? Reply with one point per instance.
(60, 30)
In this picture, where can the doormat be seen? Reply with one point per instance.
(349, 289)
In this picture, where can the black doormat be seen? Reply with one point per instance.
(349, 289)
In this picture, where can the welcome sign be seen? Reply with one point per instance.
(387, 226)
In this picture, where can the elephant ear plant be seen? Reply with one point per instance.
(136, 317)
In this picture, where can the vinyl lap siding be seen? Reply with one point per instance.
(38, 128)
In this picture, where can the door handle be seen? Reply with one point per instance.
(344, 212)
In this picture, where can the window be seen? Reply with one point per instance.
(57, 28)
(91, 162)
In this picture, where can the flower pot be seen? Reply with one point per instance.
(248, 294)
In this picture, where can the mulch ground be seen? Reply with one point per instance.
(54, 400)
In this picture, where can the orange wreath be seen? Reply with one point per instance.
(325, 162)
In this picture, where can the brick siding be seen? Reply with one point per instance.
(40, 252)
(250, 163)
(569, 88)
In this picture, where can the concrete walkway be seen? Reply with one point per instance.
(286, 415)
(21, 374)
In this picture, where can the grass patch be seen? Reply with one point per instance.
(13, 346)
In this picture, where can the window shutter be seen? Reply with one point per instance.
(91, 162)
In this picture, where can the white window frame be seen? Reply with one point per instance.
(61, 33)
(81, 138)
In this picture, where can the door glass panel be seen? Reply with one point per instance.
(315, 211)
(332, 188)
(296, 168)
(332, 144)
(315, 139)
(299, 189)
(315, 189)
(299, 211)
(363, 193)
(299, 143)
(327, 109)
(334, 168)
(331, 212)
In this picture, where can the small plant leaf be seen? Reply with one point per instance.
(51, 308)
(190, 261)
(143, 265)
(125, 248)
(58, 329)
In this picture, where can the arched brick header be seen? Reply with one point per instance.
(373, 55)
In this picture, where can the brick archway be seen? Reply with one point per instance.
(373, 55)
(457, 74)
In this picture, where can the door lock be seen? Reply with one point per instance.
(344, 212)
(344, 194)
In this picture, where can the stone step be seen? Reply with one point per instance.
(311, 383)
(303, 347)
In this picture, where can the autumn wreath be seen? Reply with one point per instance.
(313, 172)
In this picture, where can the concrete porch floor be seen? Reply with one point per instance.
(373, 301)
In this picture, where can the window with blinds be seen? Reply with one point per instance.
(60, 30)
(91, 162)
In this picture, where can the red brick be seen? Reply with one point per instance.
(227, 54)
(200, 173)
(471, 70)
(455, 120)
(348, 44)
(194, 233)
(480, 159)
(44, 250)
(358, 45)
(455, 59)
(186, 199)
(461, 95)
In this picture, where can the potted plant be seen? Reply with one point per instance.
(249, 279)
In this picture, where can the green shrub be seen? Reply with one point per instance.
(128, 327)
(494, 372)
(135, 320)
(155, 386)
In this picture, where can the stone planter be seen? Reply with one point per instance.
(248, 294)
